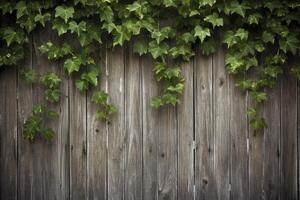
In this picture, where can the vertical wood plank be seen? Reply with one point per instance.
(167, 158)
(150, 131)
(271, 171)
(116, 129)
(288, 154)
(222, 141)
(97, 139)
(134, 113)
(8, 133)
(255, 151)
(42, 165)
(239, 136)
(78, 140)
(204, 135)
(185, 113)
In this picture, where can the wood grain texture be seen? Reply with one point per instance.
(116, 129)
(271, 152)
(185, 117)
(167, 152)
(143, 152)
(78, 140)
(43, 171)
(133, 123)
(8, 134)
(222, 139)
(97, 137)
(204, 133)
(288, 138)
(150, 131)
(239, 136)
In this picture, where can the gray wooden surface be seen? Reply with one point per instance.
(202, 148)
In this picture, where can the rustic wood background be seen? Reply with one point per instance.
(200, 149)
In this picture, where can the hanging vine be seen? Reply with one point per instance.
(260, 37)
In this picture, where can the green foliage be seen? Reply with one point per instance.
(35, 123)
(106, 109)
(260, 37)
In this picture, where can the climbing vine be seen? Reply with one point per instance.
(260, 37)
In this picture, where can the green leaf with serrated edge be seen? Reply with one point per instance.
(254, 18)
(140, 48)
(158, 50)
(214, 19)
(268, 37)
(156, 102)
(42, 18)
(64, 12)
(60, 26)
(52, 95)
(72, 64)
(77, 28)
(206, 2)
(201, 32)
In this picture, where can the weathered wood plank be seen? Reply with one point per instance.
(255, 149)
(134, 113)
(239, 136)
(116, 129)
(42, 167)
(78, 140)
(8, 133)
(288, 143)
(222, 141)
(204, 134)
(271, 151)
(185, 113)
(97, 138)
(150, 131)
(167, 150)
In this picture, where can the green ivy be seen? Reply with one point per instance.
(260, 37)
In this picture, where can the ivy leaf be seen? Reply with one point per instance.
(156, 102)
(233, 62)
(81, 85)
(268, 37)
(291, 44)
(100, 97)
(120, 36)
(140, 48)
(214, 19)
(258, 123)
(235, 7)
(21, 8)
(32, 127)
(158, 50)
(48, 134)
(259, 96)
(10, 36)
(60, 26)
(64, 12)
(242, 34)
(178, 88)
(230, 39)
(72, 64)
(201, 33)
(164, 33)
(206, 2)
(42, 18)
(52, 95)
(7, 8)
(254, 18)
(77, 28)
(51, 80)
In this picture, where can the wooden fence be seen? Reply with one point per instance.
(200, 149)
